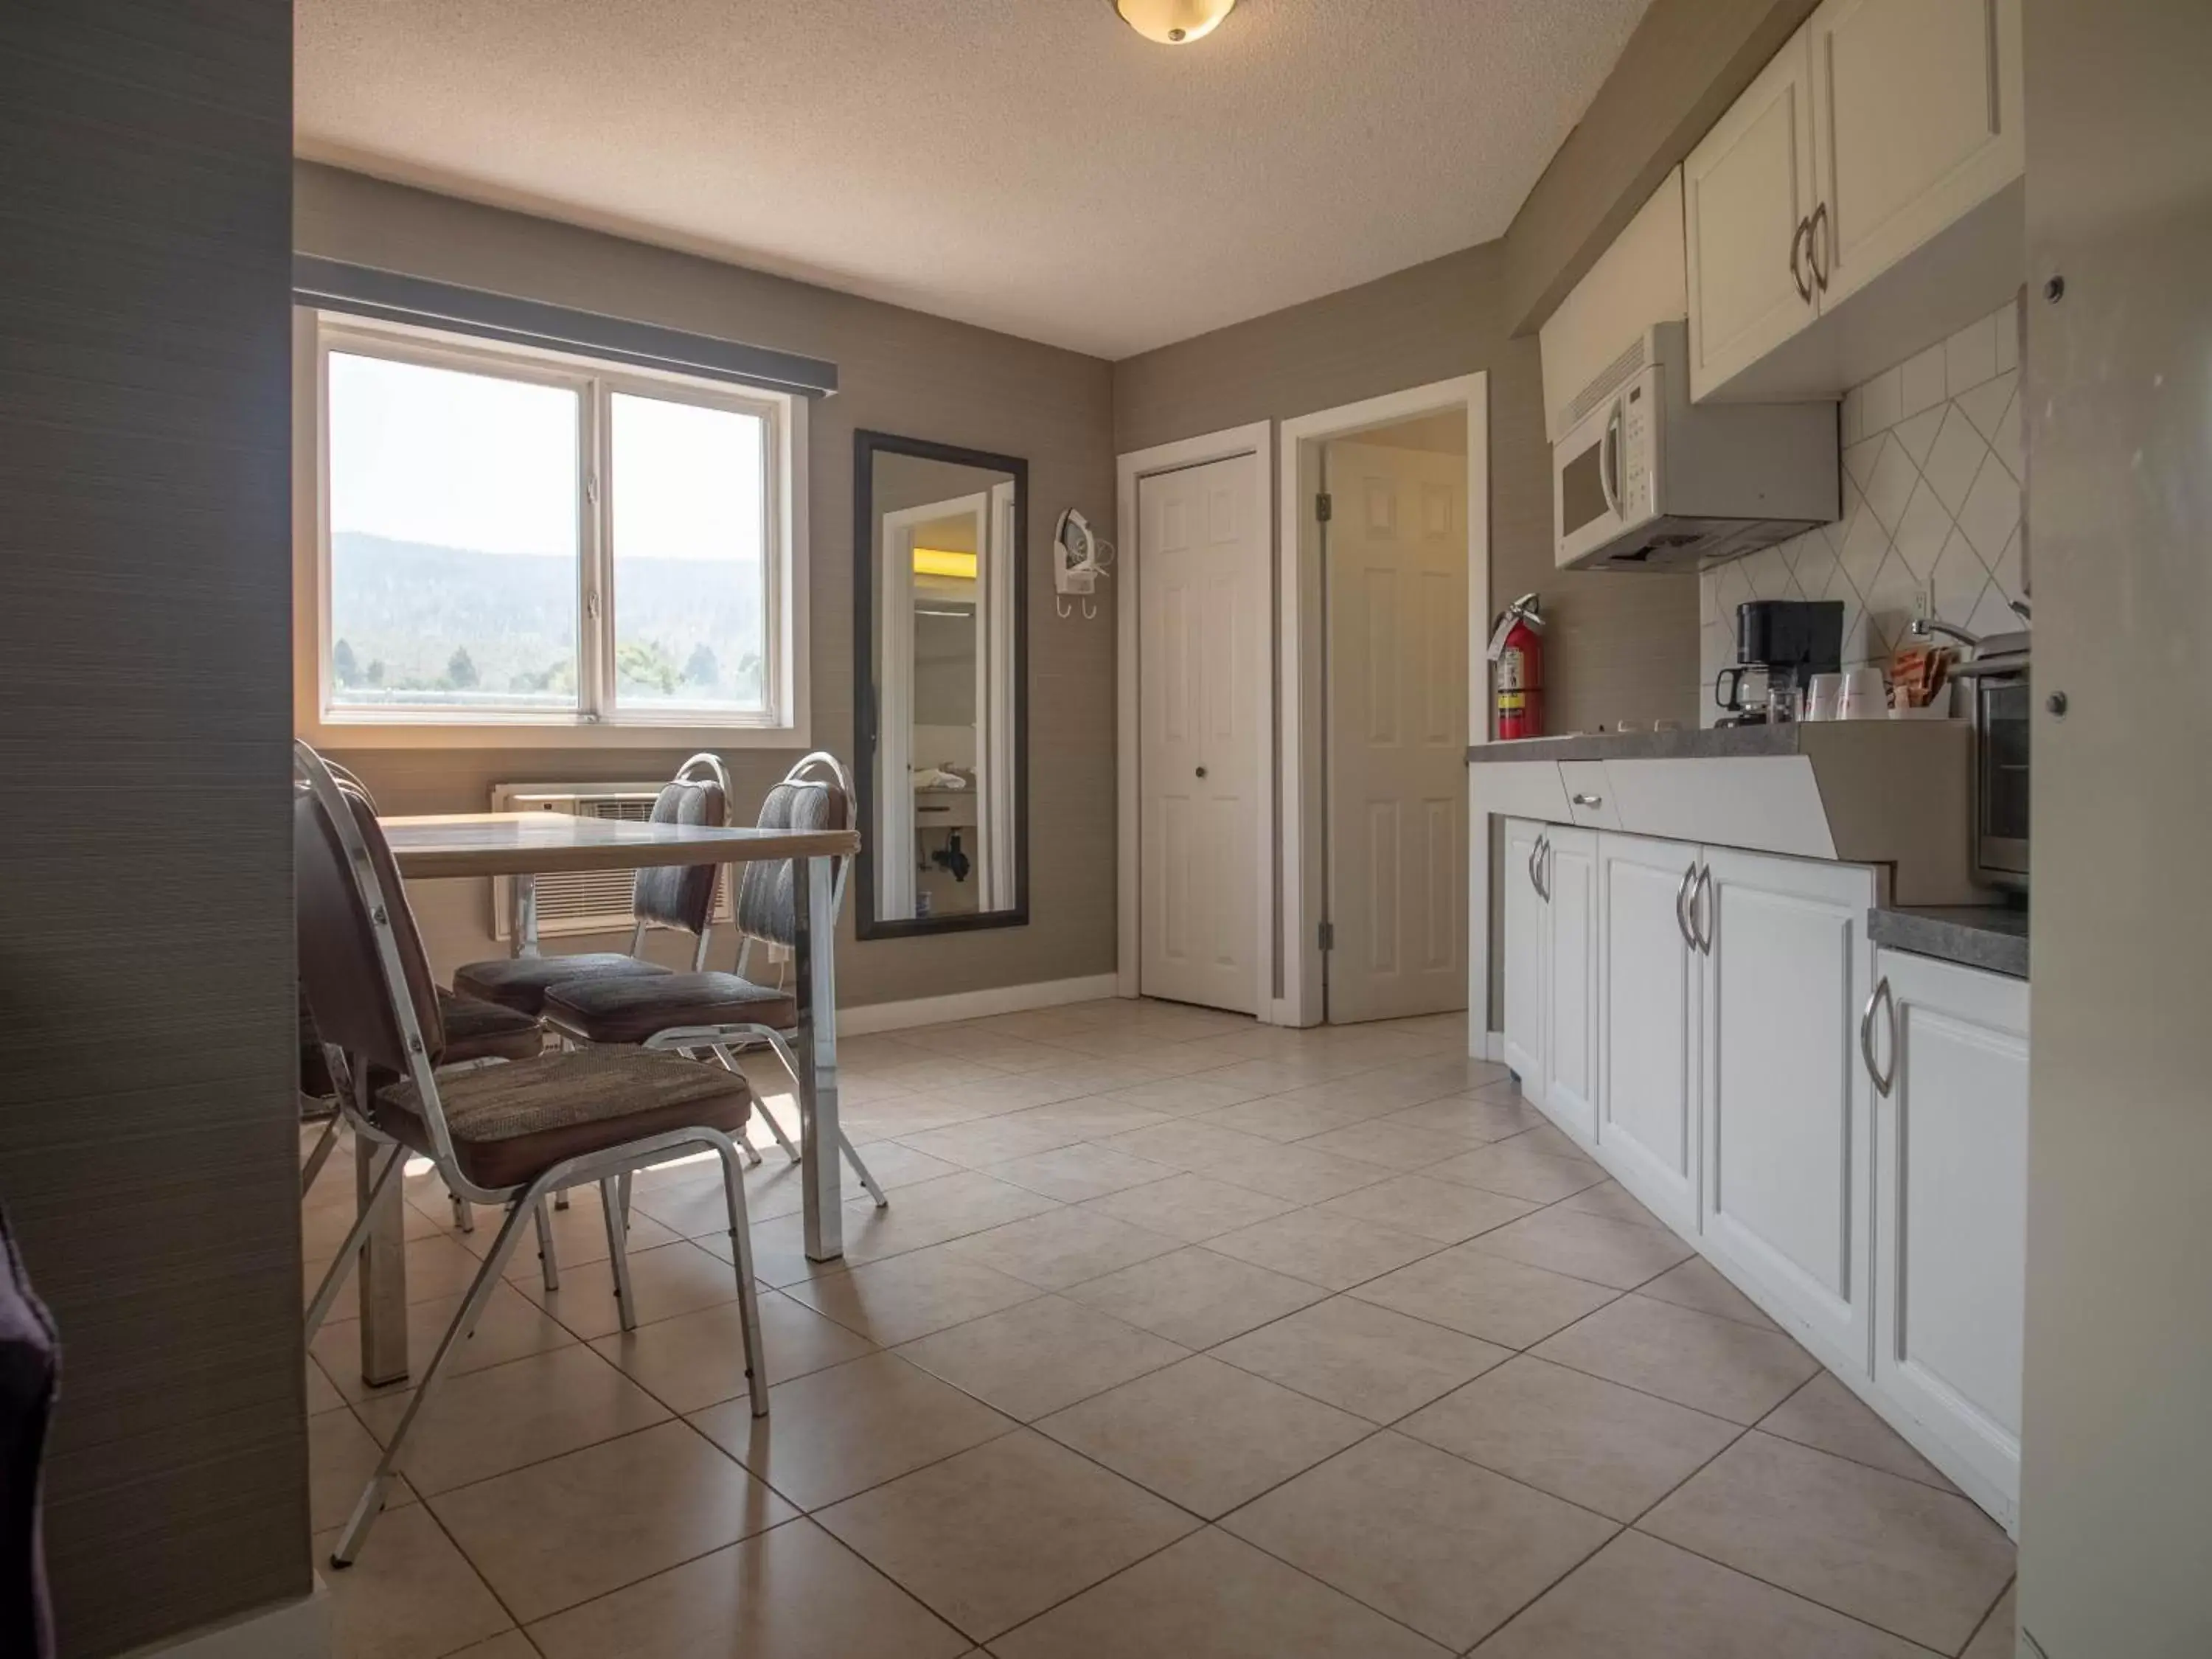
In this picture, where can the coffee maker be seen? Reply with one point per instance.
(1780, 644)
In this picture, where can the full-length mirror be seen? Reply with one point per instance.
(941, 651)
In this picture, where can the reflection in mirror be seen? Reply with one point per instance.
(940, 540)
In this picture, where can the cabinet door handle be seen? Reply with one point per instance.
(1534, 880)
(1544, 868)
(1881, 1084)
(1802, 235)
(1591, 801)
(1701, 919)
(1816, 245)
(1681, 901)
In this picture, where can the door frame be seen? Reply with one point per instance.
(1130, 469)
(1301, 807)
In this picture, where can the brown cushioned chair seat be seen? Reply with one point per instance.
(631, 1011)
(511, 1123)
(521, 982)
(476, 1029)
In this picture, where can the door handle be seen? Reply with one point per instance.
(1590, 801)
(1803, 235)
(1681, 903)
(1816, 245)
(1543, 863)
(1534, 881)
(1700, 913)
(1608, 461)
(1881, 994)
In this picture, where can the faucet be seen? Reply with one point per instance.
(1927, 626)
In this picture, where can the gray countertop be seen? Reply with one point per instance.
(1990, 936)
(1687, 744)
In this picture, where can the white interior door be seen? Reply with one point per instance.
(1202, 626)
(894, 827)
(1395, 571)
(995, 696)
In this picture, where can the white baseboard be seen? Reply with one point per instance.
(290, 1630)
(1493, 1048)
(971, 1005)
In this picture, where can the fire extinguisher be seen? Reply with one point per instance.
(1517, 653)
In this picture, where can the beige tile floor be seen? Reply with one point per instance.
(1181, 1336)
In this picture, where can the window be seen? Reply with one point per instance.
(514, 538)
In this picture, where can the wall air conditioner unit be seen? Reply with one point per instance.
(581, 901)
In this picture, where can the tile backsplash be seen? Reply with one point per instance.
(1931, 494)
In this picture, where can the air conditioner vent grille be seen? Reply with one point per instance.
(581, 901)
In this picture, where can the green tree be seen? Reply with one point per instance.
(344, 667)
(376, 671)
(649, 666)
(703, 669)
(461, 669)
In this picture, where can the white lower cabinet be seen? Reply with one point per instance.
(1526, 971)
(1950, 1169)
(1786, 1118)
(1551, 969)
(1693, 1015)
(1570, 871)
(1648, 989)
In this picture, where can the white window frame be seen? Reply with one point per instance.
(599, 718)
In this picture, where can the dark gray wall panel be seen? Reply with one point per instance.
(147, 1152)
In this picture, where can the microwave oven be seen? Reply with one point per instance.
(1998, 679)
(1646, 480)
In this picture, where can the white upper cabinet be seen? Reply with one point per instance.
(1880, 140)
(1747, 196)
(1916, 120)
(1636, 281)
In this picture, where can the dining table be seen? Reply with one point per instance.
(519, 847)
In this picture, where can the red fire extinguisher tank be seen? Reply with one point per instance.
(1516, 658)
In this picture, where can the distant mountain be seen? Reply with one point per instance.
(400, 613)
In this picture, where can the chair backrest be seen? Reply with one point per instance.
(767, 907)
(350, 904)
(683, 896)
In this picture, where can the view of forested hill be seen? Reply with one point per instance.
(459, 624)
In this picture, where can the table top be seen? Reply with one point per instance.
(543, 843)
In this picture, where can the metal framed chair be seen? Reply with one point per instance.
(681, 898)
(504, 1136)
(723, 1013)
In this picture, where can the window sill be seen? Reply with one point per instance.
(343, 735)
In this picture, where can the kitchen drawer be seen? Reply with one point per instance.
(1589, 794)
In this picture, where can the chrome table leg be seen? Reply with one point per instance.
(816, 983)
(383, 1268)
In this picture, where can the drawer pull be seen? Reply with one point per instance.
(1591, 801)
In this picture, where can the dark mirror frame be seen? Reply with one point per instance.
(867, 697)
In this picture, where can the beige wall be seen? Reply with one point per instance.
(899, 371)
(1620, 648)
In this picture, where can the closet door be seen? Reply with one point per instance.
(1570, 869)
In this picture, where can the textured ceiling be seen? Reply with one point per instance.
(1032, 166)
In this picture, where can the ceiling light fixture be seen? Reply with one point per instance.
(1174, 22)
